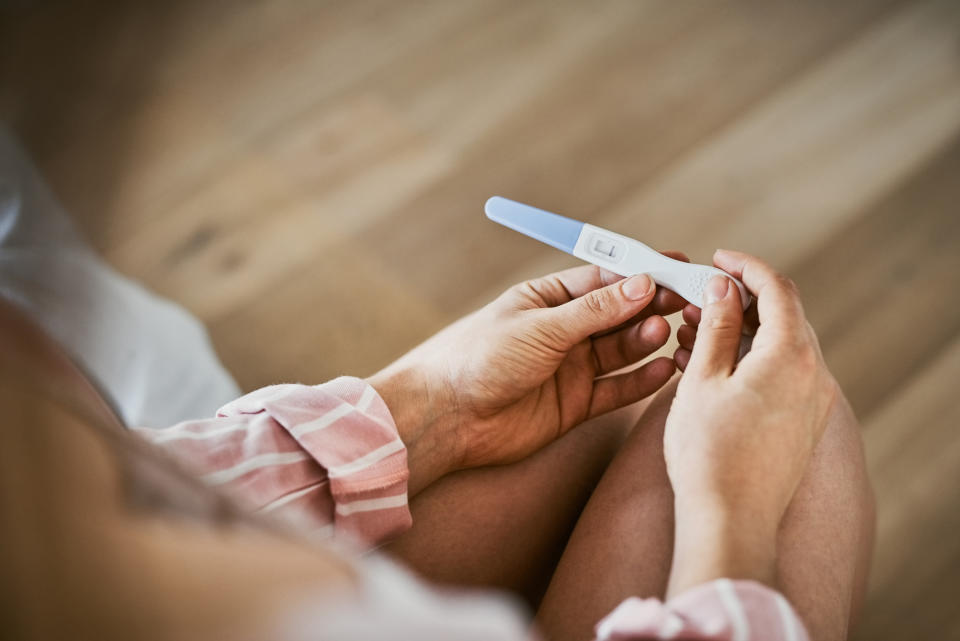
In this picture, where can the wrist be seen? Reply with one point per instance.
(424, 419)
(713, 540)
(730, 497)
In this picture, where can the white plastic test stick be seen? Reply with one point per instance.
(604, 248)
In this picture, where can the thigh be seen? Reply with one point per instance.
(623, 544)
(506, 527)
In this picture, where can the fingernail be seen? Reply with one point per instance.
(637, 287)
(717, 289)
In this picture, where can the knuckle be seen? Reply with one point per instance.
(526, 288)
(805, 357)
(537, 292)
(540, 287)
(788, 285)
(525, 292)
(597, 302)
(720, 323)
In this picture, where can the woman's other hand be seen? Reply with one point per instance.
(512, 377)
(739, 435)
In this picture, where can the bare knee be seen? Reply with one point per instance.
(506, 526)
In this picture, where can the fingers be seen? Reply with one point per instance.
(778, 303)
(665, 302)
(687, 336)
(682, 358)
(751, 321)
(597, 310)
(676, 255)
(691, 315)
(718, 336)
(618, 391)
(562, 287)
(629, 345)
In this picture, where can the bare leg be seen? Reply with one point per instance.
(506, 527)
(826, 538)
(623, 543)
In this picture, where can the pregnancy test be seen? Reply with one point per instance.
(604, 248)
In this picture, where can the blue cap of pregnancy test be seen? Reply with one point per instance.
(555, 230)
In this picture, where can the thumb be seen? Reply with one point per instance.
(600, 309)
(718, 336)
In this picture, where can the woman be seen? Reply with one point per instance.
(762, 457)
(730, 502)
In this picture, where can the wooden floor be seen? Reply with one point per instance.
(309, 178)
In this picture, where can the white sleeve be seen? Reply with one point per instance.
(396, 606)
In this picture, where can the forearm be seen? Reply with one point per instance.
(713, 541)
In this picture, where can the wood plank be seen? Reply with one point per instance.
(799, 165)
(274, 209)
(914, 458)
(154, 253)
(201, 85)
(882, 292)
(794, 168)
(342, 316)
(582, 152)
(236, 159)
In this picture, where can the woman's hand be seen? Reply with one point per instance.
(510, 378)
(739, 435)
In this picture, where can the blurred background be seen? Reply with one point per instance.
(308, 178)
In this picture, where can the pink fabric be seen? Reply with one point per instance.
(327, 457)
(721, 610)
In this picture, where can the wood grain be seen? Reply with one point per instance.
(308, 178)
